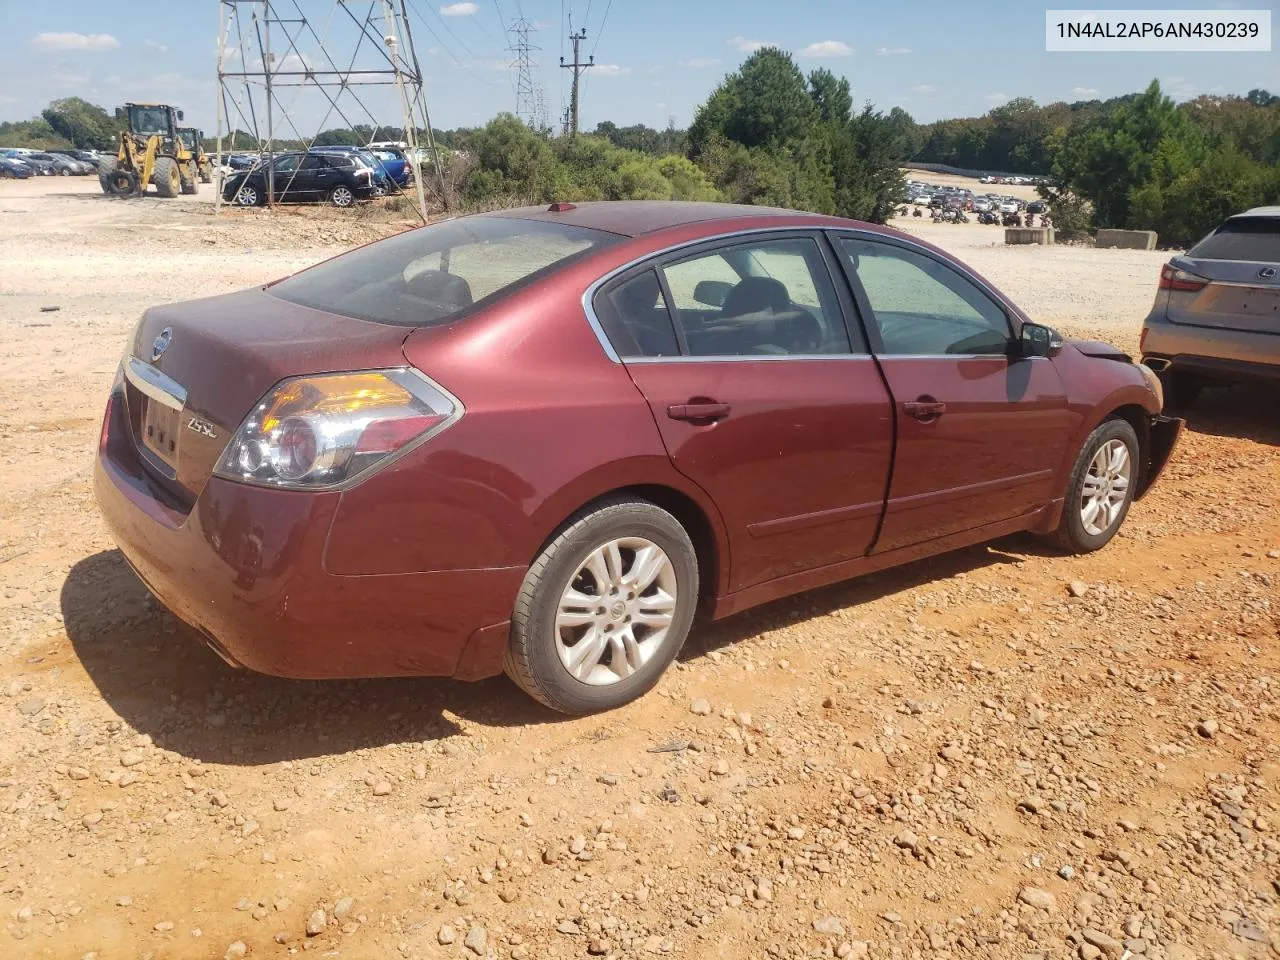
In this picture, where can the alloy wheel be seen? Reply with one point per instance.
(615, 611)
(1105, 488)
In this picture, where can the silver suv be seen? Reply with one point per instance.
(1216, 318)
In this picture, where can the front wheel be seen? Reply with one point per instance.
(1101, 488)
(248, 196)
(605, 608)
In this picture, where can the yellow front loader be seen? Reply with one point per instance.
(149, 151)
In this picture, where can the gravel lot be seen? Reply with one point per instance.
(1000, 753)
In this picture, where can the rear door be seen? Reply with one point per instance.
(763, 394)
(980, 431)
(1234, 278)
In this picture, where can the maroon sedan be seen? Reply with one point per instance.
(540, 439)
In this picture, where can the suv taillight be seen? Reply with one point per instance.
(1171, 278)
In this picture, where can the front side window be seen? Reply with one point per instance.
(433, 274)
(286, 164)
(923, 307)
(763, 298)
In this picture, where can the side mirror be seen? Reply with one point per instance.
(711, 293)
(1038, 340)
(179, 116)
(119, 113)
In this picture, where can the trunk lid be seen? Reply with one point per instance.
(1241, 261)
(189, 390)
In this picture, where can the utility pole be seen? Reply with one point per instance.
(578, 66)
(267, 58)
(522, 49)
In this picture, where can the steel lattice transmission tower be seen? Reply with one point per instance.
(522, 53)
(268, 49)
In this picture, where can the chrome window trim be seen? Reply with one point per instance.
(156, 385)
(905, 240)
(746, 357)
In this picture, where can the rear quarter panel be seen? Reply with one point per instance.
(551, 423)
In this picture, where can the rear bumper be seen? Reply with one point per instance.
(245, 568)
(1228, 355)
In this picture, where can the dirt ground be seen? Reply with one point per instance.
(1000, 753)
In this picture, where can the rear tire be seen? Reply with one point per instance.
(249, 196)
(1095, 481)
(540, 641)
(166, 177)
(342, 196)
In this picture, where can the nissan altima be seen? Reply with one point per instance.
(541, 440)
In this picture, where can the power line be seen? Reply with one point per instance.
(445, 47)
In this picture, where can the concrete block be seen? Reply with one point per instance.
(1043, 235)
(1126, 239)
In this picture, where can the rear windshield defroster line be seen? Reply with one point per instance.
(436, 274)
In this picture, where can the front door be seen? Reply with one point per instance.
(762, 398)
(980, 430)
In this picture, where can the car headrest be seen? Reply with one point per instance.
(755, 294)
(440, 287)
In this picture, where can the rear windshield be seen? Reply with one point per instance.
(433, 274)
(1255, 239)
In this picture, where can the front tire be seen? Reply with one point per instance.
(1103, 481)
(605, 608)
(166, 177)
(106, 170)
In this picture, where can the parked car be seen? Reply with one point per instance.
(340, 179)
(1037, 207)
(1216, 317)
(382, 180)
(62, 166)
(395, 165)
(88, 157)
(982, 205)
(1010, 206)
(38, 167)
(12, 168)
(539, 439)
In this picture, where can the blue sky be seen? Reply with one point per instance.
(658, 58)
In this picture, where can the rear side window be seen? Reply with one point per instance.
(1255, 239)
(635, 318)
(434, 274)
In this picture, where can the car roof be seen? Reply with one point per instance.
(633, 218)
(1258, 212)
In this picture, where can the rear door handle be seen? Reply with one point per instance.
(926, 408)
(698, 411)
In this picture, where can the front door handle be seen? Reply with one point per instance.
(925, 409)
(698, 411)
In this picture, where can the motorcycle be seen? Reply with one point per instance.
(989, 217)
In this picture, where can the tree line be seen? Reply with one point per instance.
(1140, 161)
(769, 134)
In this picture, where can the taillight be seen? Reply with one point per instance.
(316, 432)
(1171, 278)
